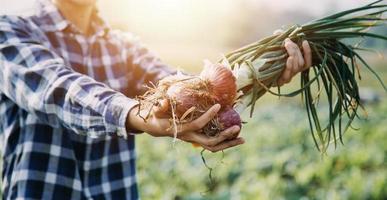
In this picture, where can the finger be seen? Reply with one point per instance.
(280, 82)
(297, 59)
(295, 52)
(227, 134)
(225, 145)
(307, 54)
(290, 47)
(301, 62)
(300, 57)
(205, 140)
(200, 122)
(296, 64)
(289, 77)
(286, 75)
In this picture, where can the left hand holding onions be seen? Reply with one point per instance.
(190, 131)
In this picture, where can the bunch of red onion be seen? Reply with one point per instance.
(184, 98)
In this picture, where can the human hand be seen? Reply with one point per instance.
(189, 132)
(296, 62)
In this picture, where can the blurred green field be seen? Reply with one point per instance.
(278, 161)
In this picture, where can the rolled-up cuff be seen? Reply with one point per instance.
(117, 112)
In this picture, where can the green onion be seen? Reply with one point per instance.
(334, 71)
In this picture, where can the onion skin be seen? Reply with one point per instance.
(225, 119)
(190, 93)
(161, 110)
(228, 118)
(221, 82)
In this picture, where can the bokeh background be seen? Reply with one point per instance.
(279, 160)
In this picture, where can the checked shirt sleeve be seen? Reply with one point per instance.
(38, 81)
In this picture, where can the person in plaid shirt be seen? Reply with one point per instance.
(67, 117)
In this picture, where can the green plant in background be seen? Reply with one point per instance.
(334, 73)
(277, 162)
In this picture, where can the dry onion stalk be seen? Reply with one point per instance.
(256, 67)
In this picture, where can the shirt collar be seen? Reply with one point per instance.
(51, 19)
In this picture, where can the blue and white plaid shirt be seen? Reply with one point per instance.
(64, 99)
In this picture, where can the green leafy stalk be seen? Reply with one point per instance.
(334, 67)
